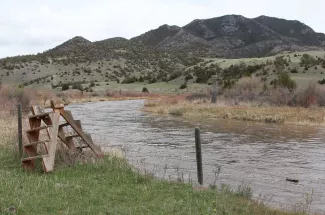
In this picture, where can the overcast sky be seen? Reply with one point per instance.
(28, 27)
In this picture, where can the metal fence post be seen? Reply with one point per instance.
(198, 155)
(20, 135)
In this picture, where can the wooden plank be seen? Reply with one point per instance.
(79, 131)
(48, 162)
(72, 136)
(38, 128)
(36, 109)
(79, 123)
(36, 143)
(69, 139)
(34, 158)
(41, 115)
(56, 105)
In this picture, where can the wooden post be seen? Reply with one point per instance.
(20, 134)
(198, 155)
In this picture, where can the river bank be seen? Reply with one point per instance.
(109, 185)
(181, 107)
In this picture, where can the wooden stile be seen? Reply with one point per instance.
(54, 131)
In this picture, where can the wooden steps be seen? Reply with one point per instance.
(39, 120)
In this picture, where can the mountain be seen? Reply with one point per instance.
(235, 36)
(170, 53)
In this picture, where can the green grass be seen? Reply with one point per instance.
(109, 186)
(161, 87)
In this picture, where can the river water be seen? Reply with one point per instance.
(261, 156)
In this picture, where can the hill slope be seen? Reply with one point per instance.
(235, 36)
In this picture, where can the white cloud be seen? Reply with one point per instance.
(34, 26)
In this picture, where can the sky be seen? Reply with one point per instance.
(29, 27)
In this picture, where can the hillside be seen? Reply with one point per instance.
(175, 55)
(235, 36)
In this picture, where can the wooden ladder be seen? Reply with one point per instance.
(51, 121)
(54, 130)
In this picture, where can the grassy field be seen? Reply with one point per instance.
(106, 186)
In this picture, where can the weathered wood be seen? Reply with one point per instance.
(48, 162)
(36, 110)
(78, 122)
(31, 151)
(38, 128)
(20, 131)
(72, 136)
(40, 116)
(198, 156)
(69, 139)
(79, 131)
(34, 158)
(56, 105)
(36, 143)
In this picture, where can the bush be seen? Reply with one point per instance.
(92, 84)
(307, 60)
(307, 97)
(188, 77)
(285, 81)
(322, 81)
(65, 86)
(145, 90)
(183, 86)
(245, 89)
(294, 70)
(11, 96)
(77, 86)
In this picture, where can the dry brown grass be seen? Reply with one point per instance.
(8, 126)
(269, 114)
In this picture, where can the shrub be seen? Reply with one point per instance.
(10, 96)
(183, 86)
(294, 70)
(65, 86)
(285, 81)
(145, 90)
(77, 86)
(92, 84)
(307, 60)
(307, 97)
(281, 96)
(188, 77)
(322, 81)
(280, 61)
(245, 89)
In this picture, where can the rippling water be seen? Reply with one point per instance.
(260, 155)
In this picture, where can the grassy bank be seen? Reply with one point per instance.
(107, 186)
(268, 114)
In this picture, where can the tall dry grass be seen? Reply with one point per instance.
(250, 101)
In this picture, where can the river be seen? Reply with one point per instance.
(235, 153)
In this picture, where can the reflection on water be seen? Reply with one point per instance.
(262, 155)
